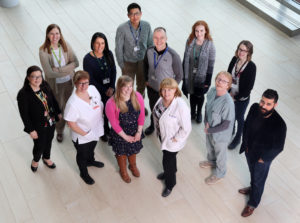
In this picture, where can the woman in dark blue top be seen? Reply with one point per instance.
(100, 64)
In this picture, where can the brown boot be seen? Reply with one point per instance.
(132, 165)
(123, 171)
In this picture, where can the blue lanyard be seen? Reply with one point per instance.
(156, 63)
(136, 38)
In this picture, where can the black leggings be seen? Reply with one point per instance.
(196, 102)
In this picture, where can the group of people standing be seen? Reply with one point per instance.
(46, 105)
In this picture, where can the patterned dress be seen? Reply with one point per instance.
(129, 124)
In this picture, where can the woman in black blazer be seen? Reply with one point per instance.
(39, 111)
(243, 72)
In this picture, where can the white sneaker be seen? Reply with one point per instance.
(212, 180)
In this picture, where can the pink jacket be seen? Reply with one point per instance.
(112, 112)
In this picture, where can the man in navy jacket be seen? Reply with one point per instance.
(263, 139)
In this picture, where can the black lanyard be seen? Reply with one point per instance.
(237, 73)
(154, 55)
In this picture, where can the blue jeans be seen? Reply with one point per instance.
(258, 173)
(240, 109)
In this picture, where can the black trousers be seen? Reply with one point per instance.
(153, 97)
(196, 103)
(42, 145)
(85, 155)
(170, 168)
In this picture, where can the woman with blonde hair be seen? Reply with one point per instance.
(59, 62)
(126, 114)
(173, 125)
(219, 118)
(198, 66)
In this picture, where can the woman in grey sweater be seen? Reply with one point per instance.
(198, 65)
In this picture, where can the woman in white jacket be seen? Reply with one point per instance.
(173, 125)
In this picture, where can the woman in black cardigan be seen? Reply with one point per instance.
(39, 111)
(243, 72)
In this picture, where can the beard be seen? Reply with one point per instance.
(265, 112)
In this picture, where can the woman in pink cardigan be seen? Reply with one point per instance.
(126, 114)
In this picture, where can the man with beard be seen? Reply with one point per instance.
(263, 139)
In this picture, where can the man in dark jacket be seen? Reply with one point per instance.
(263, 139)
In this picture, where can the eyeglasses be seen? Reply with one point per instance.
(241, 50)
(83, 84)
(36, 77)
(134, 14)
(222, 81)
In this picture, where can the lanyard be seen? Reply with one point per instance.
(136, 38)
(55, 56)
(238, 73)
(156, 63)
(102, 66)
(43, 98)
(194, 51)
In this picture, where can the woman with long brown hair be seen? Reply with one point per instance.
(198, 66)
(59, 62)
(126, 114)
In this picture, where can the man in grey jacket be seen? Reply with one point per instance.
(132, 40)
(160, 62)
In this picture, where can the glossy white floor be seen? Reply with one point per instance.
(61, 196)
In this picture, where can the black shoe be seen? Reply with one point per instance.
(146, 112)
(96, 164)
(52, 166)
(149, 130)
(34, 169)
(166, 192)
(199, 118)
(104, 138)
(87, 179)
(235, 142)
(160, 176)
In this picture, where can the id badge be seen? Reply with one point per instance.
(50, 122)
(106, 81)
(136, 48)
(194, 70)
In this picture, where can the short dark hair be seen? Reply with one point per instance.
(271, 94)
(133, 6)
(160, 28)
(30, 70)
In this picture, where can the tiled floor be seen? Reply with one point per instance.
(61, 196)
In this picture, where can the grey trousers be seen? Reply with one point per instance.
(64, 91)
(217, 154)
